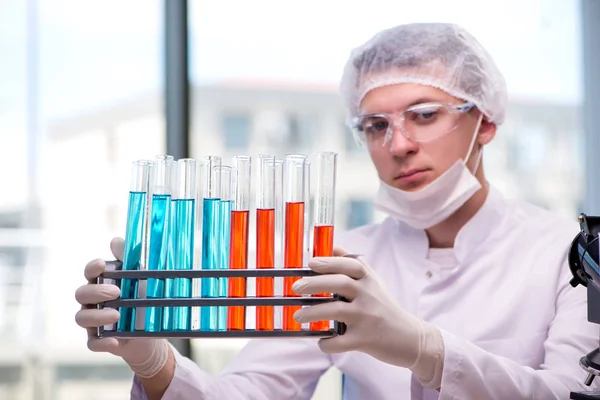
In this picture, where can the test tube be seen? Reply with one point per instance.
(279, 238)
(225, 206)
(324, 216)
(185, 215)
(169, 289)
(265, 238)
(295, 199)
(307, 223)
(238, 258)
(160, 216)
(210, 238)
(134, 238)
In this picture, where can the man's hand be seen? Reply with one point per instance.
(146, 357)
(376, 324)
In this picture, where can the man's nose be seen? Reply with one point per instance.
(400, 144)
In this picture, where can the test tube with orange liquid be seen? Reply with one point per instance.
(324, 213)
(238, 256)
(265, 238)
(295, 193)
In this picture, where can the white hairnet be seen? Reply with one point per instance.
(440, 55)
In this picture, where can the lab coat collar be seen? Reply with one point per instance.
(484, 227)
(479, 230)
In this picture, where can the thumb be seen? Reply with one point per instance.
(340, 252)
(116, 246)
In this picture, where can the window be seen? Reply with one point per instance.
(59, 188)
(302, 130)
(528, 149)
(360, 212)
(236, 131)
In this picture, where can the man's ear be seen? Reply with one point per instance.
(487, 131)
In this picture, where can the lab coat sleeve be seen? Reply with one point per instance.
(264, 369)
(473, 373)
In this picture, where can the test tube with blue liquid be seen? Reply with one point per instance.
(210, 237)
(160, 217)
(169, 283)
(225, 194)
(134, 239)
(185, 216)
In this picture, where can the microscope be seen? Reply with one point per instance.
(584, 262)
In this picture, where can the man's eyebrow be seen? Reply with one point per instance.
(422, 100)
(419, 100)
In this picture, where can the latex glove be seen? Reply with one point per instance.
(146, 357)
(376, 324)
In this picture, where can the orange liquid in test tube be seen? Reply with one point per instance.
(265, 258)
(238, 259)
(238, 240)
(322, 247)
(293, 257)
(324, 216)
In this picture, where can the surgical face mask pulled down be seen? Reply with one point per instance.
(438, 200)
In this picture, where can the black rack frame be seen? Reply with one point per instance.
(115, 272)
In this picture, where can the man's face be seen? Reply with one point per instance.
(409, 165)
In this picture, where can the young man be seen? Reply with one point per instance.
(459, 294)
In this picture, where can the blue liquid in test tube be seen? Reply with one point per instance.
(210, 245)
(134, 237)
(185, 221)
(185, 211)
(161, 204)
(167, 317)
(210, 238)
(225, 205)
(160, 216)
(225, 234)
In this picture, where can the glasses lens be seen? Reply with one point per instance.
(428, 122)
(371, 127)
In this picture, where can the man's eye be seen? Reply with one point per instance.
(376, 125)
(423, 116)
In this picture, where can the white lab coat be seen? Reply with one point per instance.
(512, 325)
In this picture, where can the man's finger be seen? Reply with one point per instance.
(116, 246)
(103, 345)
(338, 284)
(338, 344)
(338, 265)
(340, 252)
(334, 311)
(94, 318)
(94, 269)
(94, 294)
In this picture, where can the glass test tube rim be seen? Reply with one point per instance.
(227, 172)
(327, 153)
(279, 213)
(186, 189)
(295, 166)
(265, 194)
(295, 158)
(242, 182)
(164, 181)
(139, 176)
(164, 157)
(324, 212)
(209, 186)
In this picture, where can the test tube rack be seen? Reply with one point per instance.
(116, 273)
